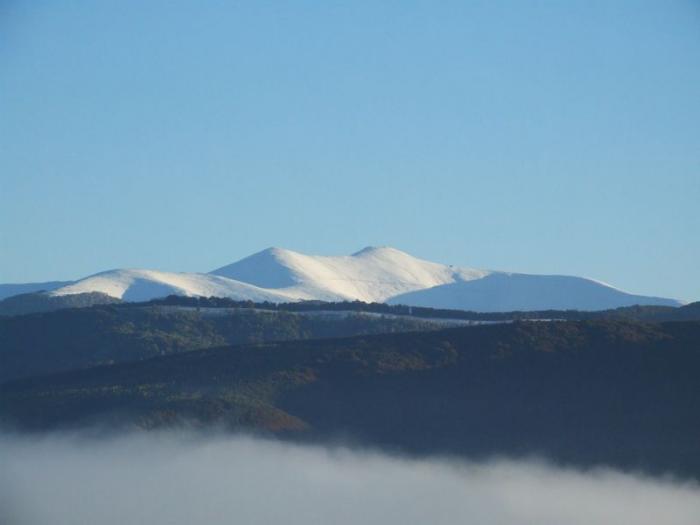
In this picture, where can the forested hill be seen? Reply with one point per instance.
(622, 394)
(688, 312)
(48, 342)
(40, 302)
(64, 339)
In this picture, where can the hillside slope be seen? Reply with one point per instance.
(9, 290)
(585, 393)
(142, 285)
(43, 302)
(77, 338)
(507, 292)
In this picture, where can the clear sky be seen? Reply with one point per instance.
(542, 137)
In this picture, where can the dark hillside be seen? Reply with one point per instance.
(77, 338)
(41, 302)
(586, 393)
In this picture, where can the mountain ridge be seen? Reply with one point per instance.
(373, 274)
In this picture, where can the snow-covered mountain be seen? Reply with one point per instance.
(372, 275)
(143, 285)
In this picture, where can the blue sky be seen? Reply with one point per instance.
(543, 137)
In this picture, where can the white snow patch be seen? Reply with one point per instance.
(143, 285)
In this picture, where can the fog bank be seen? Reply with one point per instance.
(176, 478)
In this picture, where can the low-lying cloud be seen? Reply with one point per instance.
(174, 478)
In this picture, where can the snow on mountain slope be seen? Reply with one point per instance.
(371, 275)
(143, 285)
(506, 292)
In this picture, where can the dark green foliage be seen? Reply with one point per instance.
(690, 312)
(42, 302)
(77, 338)
(596, 392)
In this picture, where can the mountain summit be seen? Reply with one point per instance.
(370, 275)
(373, 274)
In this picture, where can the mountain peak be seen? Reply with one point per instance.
(265, 268)
(272, 250)
(378, 250)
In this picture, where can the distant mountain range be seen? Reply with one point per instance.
(374, 274)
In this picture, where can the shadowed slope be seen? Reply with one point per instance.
(505, 292)
(615, 393)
